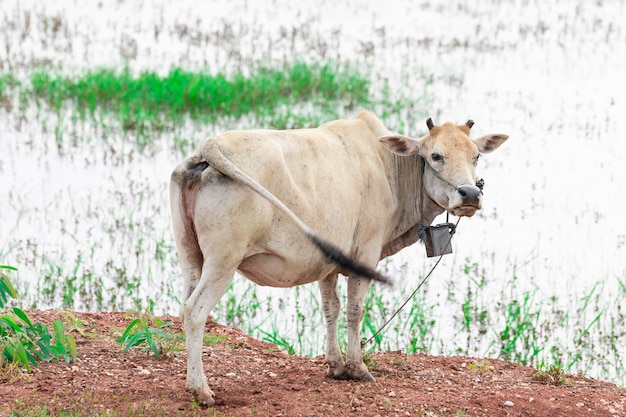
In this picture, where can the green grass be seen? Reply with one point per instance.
(142, 106)
(518, 338)
(549, 374)
(273, 337)
(210, 339)
(148, 102)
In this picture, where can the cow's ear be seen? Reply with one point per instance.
(490, 143)
(400, 144)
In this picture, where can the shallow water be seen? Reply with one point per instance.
(85, 213)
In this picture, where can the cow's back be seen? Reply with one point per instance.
(319, 173)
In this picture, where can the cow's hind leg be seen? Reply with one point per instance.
(195, 311)
(331, 307)
(357, 289)
(191, 272)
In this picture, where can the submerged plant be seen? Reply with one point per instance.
(150, 102)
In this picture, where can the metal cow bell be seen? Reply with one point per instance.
(438, 239)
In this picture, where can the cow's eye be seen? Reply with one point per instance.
(436, 157)
(476, 159)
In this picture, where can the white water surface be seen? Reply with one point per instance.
(548, 73)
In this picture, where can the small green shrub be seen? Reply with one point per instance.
(139, 332)
(23, 342)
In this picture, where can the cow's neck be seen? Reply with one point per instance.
(414, 208)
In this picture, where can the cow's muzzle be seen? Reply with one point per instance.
(470, 195)
(470, 201)
(465, 211)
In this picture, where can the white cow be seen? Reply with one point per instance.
(245, 200)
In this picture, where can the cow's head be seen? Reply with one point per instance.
(450, 163)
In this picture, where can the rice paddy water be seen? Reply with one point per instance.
(98, 103)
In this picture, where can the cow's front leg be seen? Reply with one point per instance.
(357, 289)
(331, 306)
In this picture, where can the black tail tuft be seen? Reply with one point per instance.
(337, 256)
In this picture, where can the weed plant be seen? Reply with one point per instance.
(273, 336)
(23, 342)
(553, 374)
(142, 333)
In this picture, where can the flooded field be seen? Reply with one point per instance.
(539, 276)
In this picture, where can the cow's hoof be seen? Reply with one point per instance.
(368, 378)
(337, 370)
(203, 398)
(338, 373)
(359, 373)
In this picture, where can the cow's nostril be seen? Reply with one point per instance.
(470, 194)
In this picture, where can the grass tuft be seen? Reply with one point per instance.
(550, 375)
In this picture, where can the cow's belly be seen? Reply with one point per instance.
(275, 271)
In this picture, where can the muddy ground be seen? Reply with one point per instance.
(250, 377)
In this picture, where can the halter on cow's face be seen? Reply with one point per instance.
(450, 163)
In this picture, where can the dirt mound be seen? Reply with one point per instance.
(250, 377)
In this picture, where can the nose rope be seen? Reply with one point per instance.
(480, 183)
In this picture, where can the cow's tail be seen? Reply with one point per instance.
(183, 192)
(216, 159)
